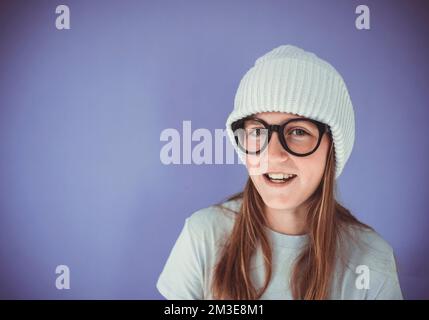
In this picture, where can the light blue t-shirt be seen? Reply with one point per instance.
(370, 271)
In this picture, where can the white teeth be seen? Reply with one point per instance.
(279, 176)
(276, 175)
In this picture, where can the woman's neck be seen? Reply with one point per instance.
(291, 222)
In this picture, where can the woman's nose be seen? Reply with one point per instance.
(275, 148)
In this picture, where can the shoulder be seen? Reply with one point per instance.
(368, 248)
(371, 261)
(216, 214)
(215, 220)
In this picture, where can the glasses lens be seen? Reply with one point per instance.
(253, 136)
(301, 136)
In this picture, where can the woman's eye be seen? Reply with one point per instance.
(299, 132)
(256, 132)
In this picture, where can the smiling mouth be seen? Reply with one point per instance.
(279, 177)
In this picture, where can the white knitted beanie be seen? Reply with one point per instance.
(289, 79)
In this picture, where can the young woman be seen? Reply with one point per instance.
(285, 236)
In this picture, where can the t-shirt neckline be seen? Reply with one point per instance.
(286, 240)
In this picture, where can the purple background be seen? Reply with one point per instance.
(81, 112)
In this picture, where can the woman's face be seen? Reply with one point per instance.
(308, 170)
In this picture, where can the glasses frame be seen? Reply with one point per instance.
(279, 128)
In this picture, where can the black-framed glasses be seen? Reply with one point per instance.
(298, 136)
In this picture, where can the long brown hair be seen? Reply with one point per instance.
(312, 275)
